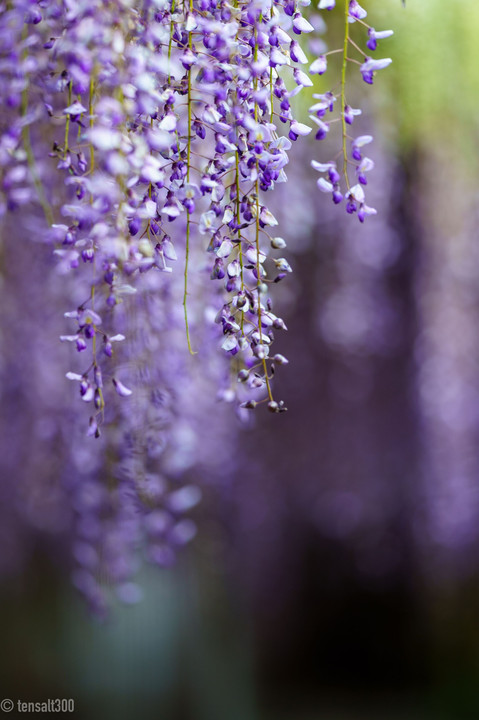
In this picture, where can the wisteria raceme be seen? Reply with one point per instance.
(335, 173)
(161, 113)
(150, 134)
(143, 511)
(102, 509)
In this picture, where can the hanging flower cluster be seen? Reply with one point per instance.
(149, 133)
(168, 123)
(336, 174)
(143, 513)
(103, 510)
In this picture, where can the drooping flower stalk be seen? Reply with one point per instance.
(189, 208)
(337, 182)
(343, 94)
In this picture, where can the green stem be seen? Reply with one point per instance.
(271, 79)
(343, 91)
(187, 251)
(67, 123)
(90, 112)
(258, 273)
(238, 221)
(258, 264)
(92, 167)
(171, 39)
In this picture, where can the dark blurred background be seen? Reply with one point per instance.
(335, 572)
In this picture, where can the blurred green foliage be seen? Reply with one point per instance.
(428, 96)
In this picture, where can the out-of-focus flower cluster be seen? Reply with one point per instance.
(144, 132)
(102, 508)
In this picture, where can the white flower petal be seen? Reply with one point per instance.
(321, 167)
(121, 389)
(319, 66)
(324, 185)
(371, 65)
(76, 109)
